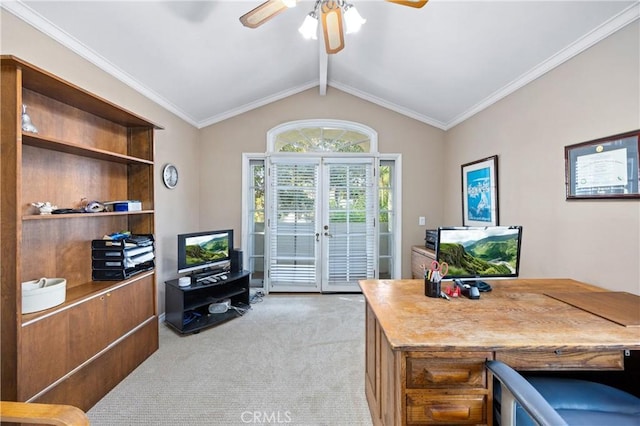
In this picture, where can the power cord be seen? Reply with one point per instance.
(257, 297)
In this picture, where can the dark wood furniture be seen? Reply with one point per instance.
(85, 147)
(194, 301)
(425, 357)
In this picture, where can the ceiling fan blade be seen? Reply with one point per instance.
(261, 14)
(332, 26)
(411, 3)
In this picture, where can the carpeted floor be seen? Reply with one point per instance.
(292, 359)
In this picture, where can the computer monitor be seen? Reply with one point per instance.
(477, 253)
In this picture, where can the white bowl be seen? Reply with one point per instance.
(36, 297)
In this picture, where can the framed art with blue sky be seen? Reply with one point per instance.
(480, 192)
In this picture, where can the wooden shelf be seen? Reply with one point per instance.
(82, 215)
(41, 81)
(78, 293)
(73, 148)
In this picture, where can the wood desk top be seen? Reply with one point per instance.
(515, 315)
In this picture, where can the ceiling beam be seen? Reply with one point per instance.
(323, 61)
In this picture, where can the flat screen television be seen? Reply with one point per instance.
(199, 251)
(477, 253)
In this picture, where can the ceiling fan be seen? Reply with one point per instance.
(331, 12)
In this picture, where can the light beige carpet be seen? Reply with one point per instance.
(292, 359)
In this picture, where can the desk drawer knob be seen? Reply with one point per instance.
(558, 352)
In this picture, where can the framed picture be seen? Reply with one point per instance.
(480, 192)
(603, 168)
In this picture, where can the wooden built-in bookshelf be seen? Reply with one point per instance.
(85, 148)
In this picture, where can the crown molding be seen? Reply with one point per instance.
(43, 25)
(624, 18)
(256, 104)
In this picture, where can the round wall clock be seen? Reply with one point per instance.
(170, 176)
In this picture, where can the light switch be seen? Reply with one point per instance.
(422, 221)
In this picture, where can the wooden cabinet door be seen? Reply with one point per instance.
(87, 330)
(129, 306)
(98, 322)
(44, 356)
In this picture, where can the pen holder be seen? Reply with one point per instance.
(431, 288)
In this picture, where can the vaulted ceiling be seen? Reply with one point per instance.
(439, 64)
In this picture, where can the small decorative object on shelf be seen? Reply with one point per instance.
(45, 293)
(27, 124)
(45, 208)
(94, 207)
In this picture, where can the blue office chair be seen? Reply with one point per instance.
(552, 401)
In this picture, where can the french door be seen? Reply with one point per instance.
(321, 223)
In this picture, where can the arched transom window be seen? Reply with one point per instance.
(322, 136)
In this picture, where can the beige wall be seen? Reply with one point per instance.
(421, 147)
(176, 210)
(595, 94)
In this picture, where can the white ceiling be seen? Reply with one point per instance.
(440, 64)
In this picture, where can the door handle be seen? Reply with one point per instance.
(326, 234)
(317, 237)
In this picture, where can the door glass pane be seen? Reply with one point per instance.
(255, 250)
(292, 225)
(386, 215)
(351, 223)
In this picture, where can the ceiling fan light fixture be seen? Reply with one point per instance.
(309, 28)
(336, 15)
(352, 19)
(332, 28)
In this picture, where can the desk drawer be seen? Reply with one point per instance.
(441, 408)
(562, 359)
(436, 372)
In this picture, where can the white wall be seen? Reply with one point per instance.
(595, 94)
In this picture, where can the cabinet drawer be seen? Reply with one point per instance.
(452, 409)
(446, 373)
(561, 359)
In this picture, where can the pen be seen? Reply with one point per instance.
(444, 295)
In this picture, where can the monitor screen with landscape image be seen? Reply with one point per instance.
(477, 253)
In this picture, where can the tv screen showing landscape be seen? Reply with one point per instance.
(206, 249)
(480, 252)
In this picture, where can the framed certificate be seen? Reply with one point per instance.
(603, 168)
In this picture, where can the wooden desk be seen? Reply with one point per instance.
(425, 356)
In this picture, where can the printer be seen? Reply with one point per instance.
(431, 239)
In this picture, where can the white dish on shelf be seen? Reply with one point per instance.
(45, 293)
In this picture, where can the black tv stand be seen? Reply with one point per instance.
(196, 277)
(187, 308)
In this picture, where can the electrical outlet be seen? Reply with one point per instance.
(422, 221)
